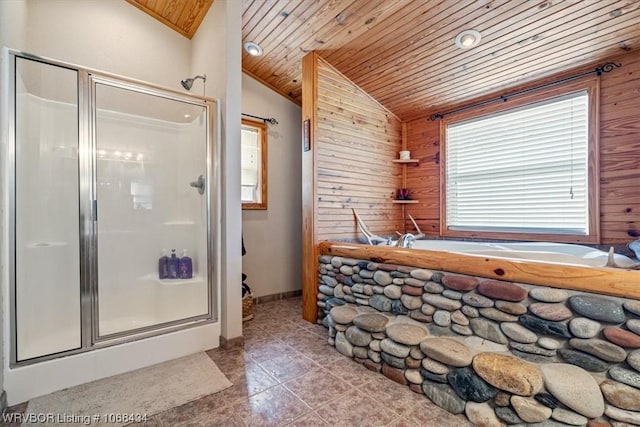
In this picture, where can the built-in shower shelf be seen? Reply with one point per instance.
(171, 282)
(38, 245)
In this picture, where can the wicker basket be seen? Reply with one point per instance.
(247, 307)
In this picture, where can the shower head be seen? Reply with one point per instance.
(188, 82)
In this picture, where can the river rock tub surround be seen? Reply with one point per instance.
(500, 352)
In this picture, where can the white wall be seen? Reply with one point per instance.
(13, 23)
(221, 62)
(273, 237)
(110, 36)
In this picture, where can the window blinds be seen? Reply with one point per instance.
(250, 170)
(521, 170)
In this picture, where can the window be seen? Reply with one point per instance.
(524, 170)
(254, 165)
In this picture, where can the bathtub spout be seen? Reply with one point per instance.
(406, 241)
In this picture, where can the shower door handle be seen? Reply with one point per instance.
(199, 184)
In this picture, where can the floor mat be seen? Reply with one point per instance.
(125, 398)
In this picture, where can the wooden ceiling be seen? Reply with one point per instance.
(184, 16)
(402, 52)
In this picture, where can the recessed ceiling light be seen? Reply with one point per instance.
(253, 49)
(467, 39)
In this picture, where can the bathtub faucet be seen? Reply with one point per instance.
(406, 241)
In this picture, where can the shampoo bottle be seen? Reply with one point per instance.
(174, 265)
(163, 265)
(186, 266)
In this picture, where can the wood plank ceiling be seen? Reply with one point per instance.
(402, 52)
(184, 16)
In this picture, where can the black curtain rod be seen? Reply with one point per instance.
(605, 68)
(271, 121)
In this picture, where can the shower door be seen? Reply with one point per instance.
(103, 176)
(151, 200)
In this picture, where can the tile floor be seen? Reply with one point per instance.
(287, 375)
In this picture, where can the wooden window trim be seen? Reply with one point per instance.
(263, 165)
(592, 86)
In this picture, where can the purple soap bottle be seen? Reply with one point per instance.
(163, 265)
(186, 266)
(174, 265)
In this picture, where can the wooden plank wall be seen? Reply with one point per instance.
(619, 158)
(620, 152)
(356, 140)
(423, 140)
(349, 165)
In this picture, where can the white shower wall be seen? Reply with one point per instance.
(145, 205)
(47, 236)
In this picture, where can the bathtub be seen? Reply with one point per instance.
(566, 266)
(560, 253)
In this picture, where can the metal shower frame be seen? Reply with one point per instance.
(88, 244)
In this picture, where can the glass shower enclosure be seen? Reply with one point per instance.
(112, 208)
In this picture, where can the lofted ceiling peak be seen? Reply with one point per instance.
(183, 16)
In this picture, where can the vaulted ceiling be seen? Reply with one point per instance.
(184, 16)
(402, 52)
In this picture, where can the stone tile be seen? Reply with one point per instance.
(268, 349)
(242, 372)
(278, 327)
(308, 420)
(222, 417)
(253, 325)
(308, 343)
(182, 414)
(401, 422)
(273, 407)
(288, 366)
(317, 387)
(327, 355)
(312, 348)
(254, 334)
(228, 361)
(300, 336)
(247, 382)
(353, 373)
(450, 420)
(396, 397)
(360, 409)
(430, 414)
(319, 330)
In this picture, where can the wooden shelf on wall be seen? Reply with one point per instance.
(406, 161)
(405, 202)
